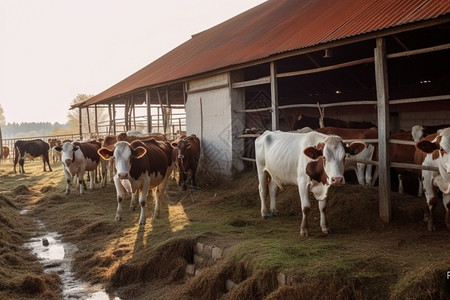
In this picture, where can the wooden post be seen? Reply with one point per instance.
(127, 108)
(149, 111)
(274, 95)
(96, 121)
(110, 119)
(80, 123)
(88, 120)
(114, 119)
(382, 87)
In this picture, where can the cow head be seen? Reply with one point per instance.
(328, 158)
(181, 147)
(123, 154)
(68, 156)
(441, 143)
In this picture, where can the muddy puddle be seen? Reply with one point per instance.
(56, 256)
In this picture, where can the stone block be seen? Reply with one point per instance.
(190, 269)
(216, 253)
(199, 248)
(207, 251)
(230, 285)
(198, 259)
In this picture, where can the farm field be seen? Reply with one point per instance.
(362, 258)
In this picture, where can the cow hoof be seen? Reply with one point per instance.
(326, 231)
(132, 207)
(304, 233)
(118, 218)
(431, 228)
(141, 223)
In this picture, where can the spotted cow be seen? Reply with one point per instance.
(312, 161)
(140, 166)
(77, 158)
(440, 146)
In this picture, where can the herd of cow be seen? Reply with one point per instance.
(312, 160)
(137, 162)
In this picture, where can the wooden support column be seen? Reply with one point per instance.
(381, 80)
(88, 120)
(96, 121)
(149, 111)
(80, 123)
(110, 129)
(114, 119)
(274, 95)
(126, 114)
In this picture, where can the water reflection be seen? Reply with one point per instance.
(56, 256)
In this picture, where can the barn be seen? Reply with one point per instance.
(381, 61)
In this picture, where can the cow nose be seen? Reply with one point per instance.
(337, 180)
(181, 156)
(68, 162)
(123, 175)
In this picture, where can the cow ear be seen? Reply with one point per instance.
(355, 148)
(427, 146)
(313, 153)
(75, 148)
(139, 152)
(174, 144)
(58, 148)
(105, 153)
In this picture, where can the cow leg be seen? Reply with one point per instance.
(81, 182)
(306, 206)
(103, 173)
(142, 199)
(120, 192)
(273, 187)
(323, 220)
(193, 171)
(133, 200)
(400, 184)
(420, 191)
(446, 201)
(68, 176)
(91, 183)
(263, 177)
(368, 176)
(159, 193)
(183, 178)
(430, 195)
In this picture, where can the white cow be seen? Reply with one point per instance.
(77, 158)
(442, 144)
(312, 161)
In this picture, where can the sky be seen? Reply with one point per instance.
(53, 50)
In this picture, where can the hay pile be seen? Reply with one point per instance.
(21, 275)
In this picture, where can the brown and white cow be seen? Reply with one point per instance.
(5, 152)
(312, 161)
(140, 166)
(440, 146)
(77, 158)
(187, 154)
(430, 191)
(363, 171)
(33, 149)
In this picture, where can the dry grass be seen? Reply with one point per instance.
(362, 259)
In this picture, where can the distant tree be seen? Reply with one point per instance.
(2, 117)
(73, 116)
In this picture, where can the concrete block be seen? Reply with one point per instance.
(198, 272)
(281, 278)
(199, 248)
(190, 269)
(198, 259)
(216, 253)
(230, 285)
(207, 250)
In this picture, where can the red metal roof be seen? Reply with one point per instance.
(273, 27)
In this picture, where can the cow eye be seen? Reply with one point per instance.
(443, 151)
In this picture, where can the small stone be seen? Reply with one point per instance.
(45, 242)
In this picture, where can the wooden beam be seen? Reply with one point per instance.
(382, 88)
(80, 123)
(149, 111)
(274, 95)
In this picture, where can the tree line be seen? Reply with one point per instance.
(35, 129)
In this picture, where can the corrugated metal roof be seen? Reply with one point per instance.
(273, 27)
